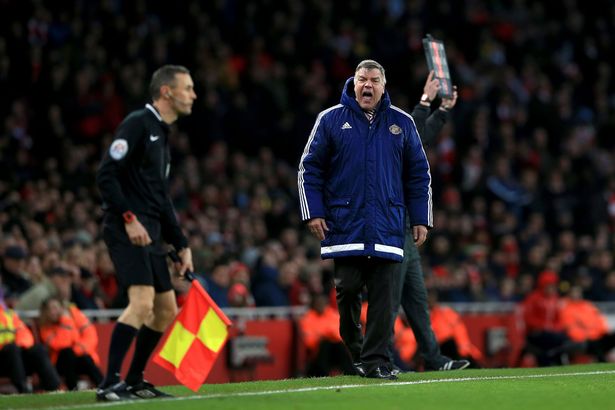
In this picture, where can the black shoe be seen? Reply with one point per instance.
(115, 392)
(455, 365)
(381, 372)
(395, 371)
(358, 368)
(146, 390)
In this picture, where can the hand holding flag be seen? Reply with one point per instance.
(197, 336)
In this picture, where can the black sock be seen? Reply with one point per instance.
(147, 339)
(120, 342)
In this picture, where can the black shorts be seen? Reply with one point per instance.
(137, 265)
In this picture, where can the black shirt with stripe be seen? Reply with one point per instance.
(133, 174)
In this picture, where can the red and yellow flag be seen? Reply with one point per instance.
(197, 336)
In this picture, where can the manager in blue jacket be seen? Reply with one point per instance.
(362, 167)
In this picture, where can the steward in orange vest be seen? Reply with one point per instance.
(72, 341)
(585, 324)
(20, 356)
(449, 328)
(405, 341)
(321, 337)
(450, 331)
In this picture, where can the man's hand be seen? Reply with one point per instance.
(449, 103)
(432, 86)
(137, 233)
(186, 262)
(419, 233)
(318, 227)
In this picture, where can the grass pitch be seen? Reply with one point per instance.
(561, 388)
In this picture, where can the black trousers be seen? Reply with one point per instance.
(351, 275)
(600, 347)
(548, 347)
(18, 363)
(409, 291)
(70, 366)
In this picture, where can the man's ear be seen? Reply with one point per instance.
(165, 91)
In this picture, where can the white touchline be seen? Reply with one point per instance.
(341, 386)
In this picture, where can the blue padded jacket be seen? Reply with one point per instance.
(359, 177)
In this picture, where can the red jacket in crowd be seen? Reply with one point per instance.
(542, 307)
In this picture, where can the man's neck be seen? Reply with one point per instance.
(168, 115)
(371, 113)
(371, 109)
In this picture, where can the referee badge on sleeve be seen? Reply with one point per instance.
(118, 149)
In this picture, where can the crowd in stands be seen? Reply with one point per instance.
(522, 174)
(58, 347)
(557, 327)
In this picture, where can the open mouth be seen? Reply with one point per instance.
(367, 97)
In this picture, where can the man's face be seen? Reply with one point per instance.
(62, 284)
(54, 311)
(182, 94)
(550, 290)
(15, 266)
(368, 87)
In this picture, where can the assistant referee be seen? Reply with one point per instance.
(139, 216)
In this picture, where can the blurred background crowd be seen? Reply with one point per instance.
(523, 174)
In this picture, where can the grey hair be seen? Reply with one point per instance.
(371, 65)
(165, 75)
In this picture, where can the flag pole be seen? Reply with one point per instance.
(188, 275)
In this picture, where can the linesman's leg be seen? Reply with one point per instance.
(164, 311)
(140, 308)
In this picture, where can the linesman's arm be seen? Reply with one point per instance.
(115, 160)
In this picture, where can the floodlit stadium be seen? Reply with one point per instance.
(291, 156)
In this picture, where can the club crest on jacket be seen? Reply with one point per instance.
(395, 129)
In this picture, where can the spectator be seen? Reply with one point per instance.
(72, 342)
(14, 275)
(545, 114)
(309, 281)
(239, 291)
(405, 344)
(217, 284)
(20, 356)
(108, 282)
(609, 287)
(586, 325)
(543, 323)
(57, 284)
(266, 286)
(239, 296)
(34, 269)
(451, 333)
(321, 337)
(86, 290)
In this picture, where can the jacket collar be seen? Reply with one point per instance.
(154, 111)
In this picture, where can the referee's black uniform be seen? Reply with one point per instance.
(132, 179)
(139, 216)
